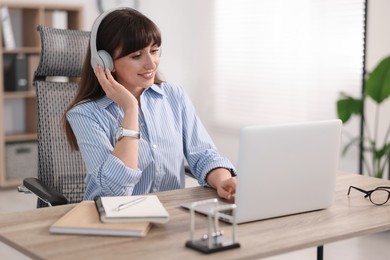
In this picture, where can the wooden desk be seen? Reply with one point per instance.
(348, 217)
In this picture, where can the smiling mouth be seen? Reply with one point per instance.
(147, 75)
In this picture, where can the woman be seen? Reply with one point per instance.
(159, 121)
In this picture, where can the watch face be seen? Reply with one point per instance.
(105, 5)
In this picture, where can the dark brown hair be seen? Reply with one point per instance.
(121, 32)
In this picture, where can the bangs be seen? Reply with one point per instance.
(137, 35)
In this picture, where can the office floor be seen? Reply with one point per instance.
(373, 247)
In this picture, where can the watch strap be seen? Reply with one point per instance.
(122, 132)
(131, 133)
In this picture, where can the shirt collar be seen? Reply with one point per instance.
(104, 102)
(156, 88)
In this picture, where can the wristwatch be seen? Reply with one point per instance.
(122, 132)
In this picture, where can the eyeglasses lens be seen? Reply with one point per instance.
(379, 196)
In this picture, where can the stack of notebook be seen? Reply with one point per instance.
(115, 216)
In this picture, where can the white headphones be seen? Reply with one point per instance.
(101, 57)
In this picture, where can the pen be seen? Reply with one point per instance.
(130, 203)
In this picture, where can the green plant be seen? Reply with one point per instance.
(377, 88)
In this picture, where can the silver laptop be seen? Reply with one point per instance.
(285, 169)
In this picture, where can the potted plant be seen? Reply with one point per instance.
(376, 154)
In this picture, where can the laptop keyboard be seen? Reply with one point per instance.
(228, 212)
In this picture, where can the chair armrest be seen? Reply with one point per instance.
(44, 192)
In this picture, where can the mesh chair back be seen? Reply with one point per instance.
(63, 52)
(62, 55)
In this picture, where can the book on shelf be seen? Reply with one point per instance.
(8, 34)
(84, 219)
(15, 72)
(122, 209)
(14, 112)
(60, 19)
(56, 19)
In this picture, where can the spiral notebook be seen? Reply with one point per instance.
(137, 208)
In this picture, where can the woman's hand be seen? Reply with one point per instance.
(227, 189)
(221, 179)
(115, 91)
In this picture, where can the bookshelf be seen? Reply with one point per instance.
(20, 49)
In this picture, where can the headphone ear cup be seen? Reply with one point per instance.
(106, 60)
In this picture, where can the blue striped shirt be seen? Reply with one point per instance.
(170, 130)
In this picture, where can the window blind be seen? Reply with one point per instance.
(282, 61)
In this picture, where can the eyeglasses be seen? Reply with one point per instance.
(378, 196)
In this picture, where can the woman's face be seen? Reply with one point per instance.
(138, 69)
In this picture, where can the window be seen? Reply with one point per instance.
(282, 60)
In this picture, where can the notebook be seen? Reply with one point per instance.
(84, 219)
(136, 208)
(285, 169)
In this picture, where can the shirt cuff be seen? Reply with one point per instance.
(224, 163)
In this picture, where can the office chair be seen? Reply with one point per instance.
(61, 171)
